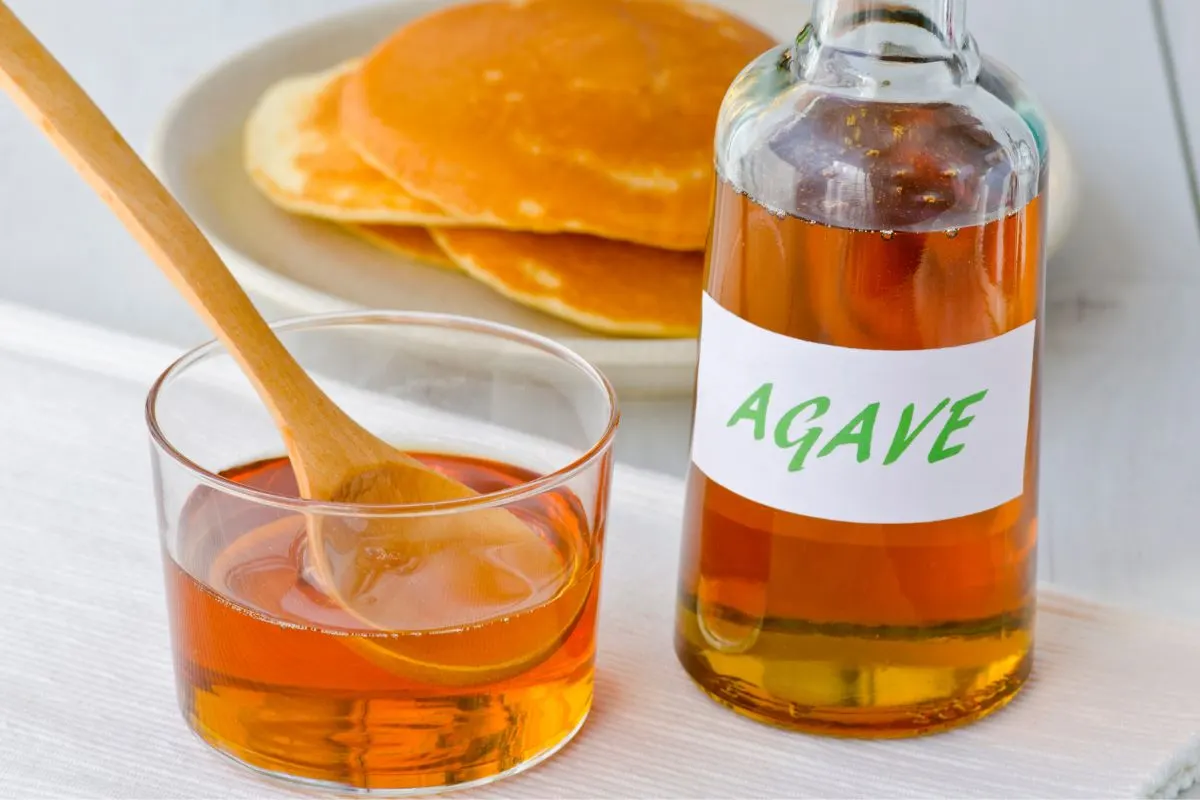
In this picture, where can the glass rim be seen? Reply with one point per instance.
(423, 319)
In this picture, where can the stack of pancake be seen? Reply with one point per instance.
(559, 151)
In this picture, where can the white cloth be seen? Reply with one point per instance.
(87, 702)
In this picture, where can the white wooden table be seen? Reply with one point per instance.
(1122, 441)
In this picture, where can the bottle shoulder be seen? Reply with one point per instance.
(928, 156)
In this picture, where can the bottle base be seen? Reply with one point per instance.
(873, 720)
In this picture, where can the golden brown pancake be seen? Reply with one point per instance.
(606, 286)
(404, 240)
(555, 115)
(295, 154)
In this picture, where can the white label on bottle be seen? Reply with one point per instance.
(870, 436)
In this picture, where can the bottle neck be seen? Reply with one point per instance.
(860, 43)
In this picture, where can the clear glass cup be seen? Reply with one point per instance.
(492, 668)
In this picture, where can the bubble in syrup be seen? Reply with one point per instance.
(887, 235)
(953, 232)
(727, 632)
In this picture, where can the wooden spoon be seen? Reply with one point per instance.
(334, 458)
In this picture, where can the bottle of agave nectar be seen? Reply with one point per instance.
(861, 520)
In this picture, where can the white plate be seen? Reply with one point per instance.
(309, 267)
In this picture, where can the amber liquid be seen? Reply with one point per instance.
(275, 673)
(853, 629)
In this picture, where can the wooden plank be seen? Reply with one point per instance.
(1122, 325)
(1100, 76)
(1181, 31)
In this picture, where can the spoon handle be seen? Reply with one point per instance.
(48, 95)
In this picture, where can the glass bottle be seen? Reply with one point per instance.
(861, 518)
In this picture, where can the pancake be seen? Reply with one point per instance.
(606, 286)
(555, 115)
(295, 155)
(404, 240)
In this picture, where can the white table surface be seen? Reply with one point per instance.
(1098, 718)
(1122, 442)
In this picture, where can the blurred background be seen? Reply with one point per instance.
(1104, 70)
(1119, 78)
